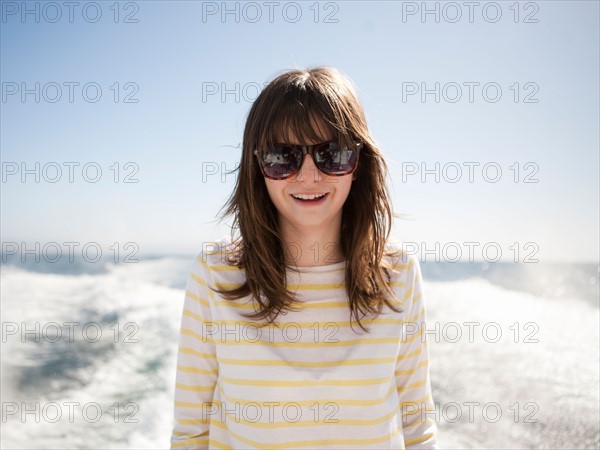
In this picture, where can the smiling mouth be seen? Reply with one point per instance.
(309, 198)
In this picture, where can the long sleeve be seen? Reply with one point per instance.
(412, 367)
(197, 366)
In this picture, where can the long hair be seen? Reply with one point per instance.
(292, 101)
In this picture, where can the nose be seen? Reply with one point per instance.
(308, 170)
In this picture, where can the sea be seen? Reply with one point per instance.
(88, 353)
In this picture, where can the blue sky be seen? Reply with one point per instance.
(176, 132)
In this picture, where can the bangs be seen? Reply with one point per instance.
(299, 116)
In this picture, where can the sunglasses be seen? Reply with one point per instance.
(281, 161)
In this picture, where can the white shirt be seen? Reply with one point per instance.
(312, 381)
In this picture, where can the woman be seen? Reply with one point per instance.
(306, 330)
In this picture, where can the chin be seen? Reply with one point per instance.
(305, 222)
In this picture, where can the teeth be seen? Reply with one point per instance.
(308, 197)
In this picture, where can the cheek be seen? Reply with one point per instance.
(343, 187)
(275, 188)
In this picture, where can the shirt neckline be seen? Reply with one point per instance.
(321, 268)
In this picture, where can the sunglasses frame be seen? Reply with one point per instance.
(310, 149)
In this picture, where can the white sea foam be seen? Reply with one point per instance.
(547, 390)
(138, 376)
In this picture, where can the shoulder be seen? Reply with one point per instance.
(211, 261)
(405, 273)
(399, 258)
(213, 253)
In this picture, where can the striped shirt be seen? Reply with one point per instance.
(310, 380)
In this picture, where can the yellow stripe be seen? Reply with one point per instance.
(421, 402)
(193, 404)
(202, 435)
(222, 268)
(303, 423)
(307, 443)
(228, 286)
(191, 351)
(283, 363)
(199, 441)
(250, 304)
(408, 294)
(408, 340)
(401, 267)
(338, 401)
(419, 439)
(193, 296)
(302, 325)
(198, 336)
(294, 287)
(255, 324)
(299, 344)
(215, 267)
(304, 383)
(416, 384)
(301, 305)
(197, 279)
(213, 443)
(418, 317)
(187, 312)
(411, 371)
(196, 370)
(404, 266)
(197, 422)
(409, 355)
(186, 387)
(416, 423)
(288, 363)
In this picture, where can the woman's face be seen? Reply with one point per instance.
(307, 216)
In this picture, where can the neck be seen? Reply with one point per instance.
(316, 246)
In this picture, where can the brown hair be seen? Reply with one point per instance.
(292, 101)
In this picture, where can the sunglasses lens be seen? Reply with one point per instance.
(281, 161)
(333, 160)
